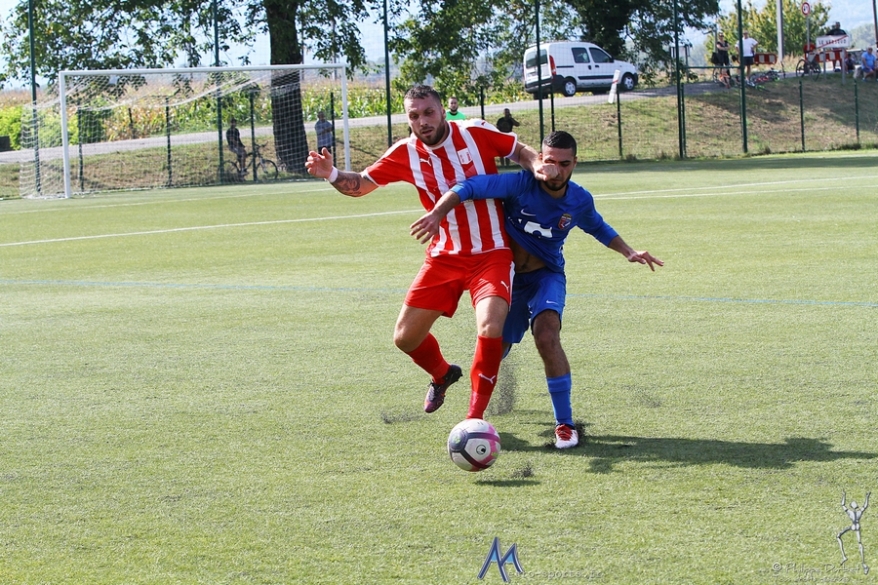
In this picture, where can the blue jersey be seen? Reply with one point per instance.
(538, 222)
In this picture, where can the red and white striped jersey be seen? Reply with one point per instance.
(469, 149)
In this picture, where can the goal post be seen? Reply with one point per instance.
(125, 129)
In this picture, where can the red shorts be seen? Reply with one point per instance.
(442, 280)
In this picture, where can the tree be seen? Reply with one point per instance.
(124, 34)
(462, 44)
(762, 25)
(605, 21)
(652, 30)
(642, 30)
(447, 38)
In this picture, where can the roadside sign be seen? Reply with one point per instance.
(806, 8)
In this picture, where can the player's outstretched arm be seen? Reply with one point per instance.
(530, 160)
(427, 226)
(320, 165)
(640, 256)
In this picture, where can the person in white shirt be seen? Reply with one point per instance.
(747, 49)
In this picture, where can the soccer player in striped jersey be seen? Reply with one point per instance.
(470, 250)
(539, 217)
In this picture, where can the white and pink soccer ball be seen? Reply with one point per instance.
(474, 444)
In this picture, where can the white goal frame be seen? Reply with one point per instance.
(64, 88)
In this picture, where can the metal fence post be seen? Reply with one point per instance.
(802, 113)
(253, 129)
(619, 122)
(540, 70)
(743, 83)
(168, 136)
(79, 131)
(857, 109)
(681, 114)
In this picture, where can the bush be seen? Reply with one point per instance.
(10, 125)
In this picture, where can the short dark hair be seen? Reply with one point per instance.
(233, 121)
(560, 139)
(417, 92)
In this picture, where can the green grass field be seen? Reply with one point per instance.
(200, 387)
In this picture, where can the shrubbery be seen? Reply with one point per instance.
(122, 123)
(10, 125)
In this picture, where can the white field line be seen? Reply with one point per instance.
(656, 195)
(763, 184)
(159, 201)
(653, 194)
(204, 227)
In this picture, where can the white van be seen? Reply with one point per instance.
(571, 66)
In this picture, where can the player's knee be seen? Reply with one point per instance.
(547, 340)
(404, 340)
(491, 329)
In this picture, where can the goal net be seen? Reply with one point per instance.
(161, 128)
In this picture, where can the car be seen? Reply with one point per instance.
(570, 66)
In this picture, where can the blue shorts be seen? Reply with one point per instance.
(533, 293)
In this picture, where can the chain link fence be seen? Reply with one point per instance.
(708, 120)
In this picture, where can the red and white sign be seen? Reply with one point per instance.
(806, 8)
(833, 42)
(764, 58)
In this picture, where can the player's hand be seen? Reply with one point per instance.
(425, 228)
(644, 257)
(545, 172)
(319, 164)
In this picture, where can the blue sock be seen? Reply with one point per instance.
(559, 392)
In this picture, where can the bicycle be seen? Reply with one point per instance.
(809, 65)
(734, 81)
(761, 77)
(259, 167)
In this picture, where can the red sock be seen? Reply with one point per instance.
(429, 357)
(483, 376)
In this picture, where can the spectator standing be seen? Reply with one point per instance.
(233, 139)
(453, 113)
(325, 134)
(748, 46)
(722, 58)
(505, 125)
(836, 31)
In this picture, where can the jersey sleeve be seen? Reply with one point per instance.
(591, 222)
(491, 186)
(490, 140)
(393, 165)
(604, 233)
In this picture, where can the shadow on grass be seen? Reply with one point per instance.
(606, 451)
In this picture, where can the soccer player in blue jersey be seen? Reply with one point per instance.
(539, 216)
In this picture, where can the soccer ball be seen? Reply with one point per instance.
(474, 444)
